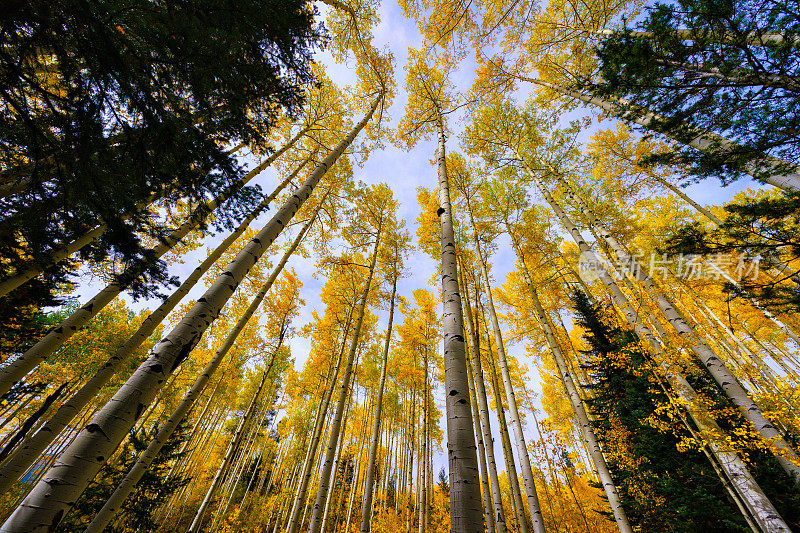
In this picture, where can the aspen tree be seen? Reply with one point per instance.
(311, 450)
(132, 477)
(327, 466)
(429, 101)
(366, 506)
(495, 496)
(305, 475)
(17, 370)
(516, 424)
(517, 506)
(486, 490)
(226, 460)
(44, 506)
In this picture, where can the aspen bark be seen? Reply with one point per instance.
(366, 505)
(327, 466)
(465, 494)
(589, 437)
(26, 455)
(56, 337)
(55, 493)
(511, 468)
(592, 445)
(537, 522)
(336, 458)
(486, 491)
(483, 405)
(126, 486)
(760, 507)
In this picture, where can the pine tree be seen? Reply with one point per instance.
(664, 482)
(721, 73)
(120, 102)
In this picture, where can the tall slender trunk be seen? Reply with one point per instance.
(537, 522)
(299, 499)
(465, 494)
(486, 490)
(722, 375)
(126, 486)
(423, 455)
(508, 454)
(57, 336)
(411, 448)
(43, 508)
(26, 455)
(760, 507)
(592, 445)
(366, 505)
(325, 475)
(336, 459)
(769, 169)
(589, 437)
(496, 496)
(233, 446)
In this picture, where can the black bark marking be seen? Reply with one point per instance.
(157, 368)
(56, 520)
(139, 410)
(453, 392)
(439, 211)
(184, 353)
(95, 428)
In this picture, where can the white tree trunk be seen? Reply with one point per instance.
(493, 490)
(299, 498)
(592, 445)
(26, 455)
(465, 494)
(537, 521)
(760, 507)
(366, 505)
(56, 337)
(486, 490)
(330, 454)
(43, 508)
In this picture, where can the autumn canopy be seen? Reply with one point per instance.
(428, 265)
